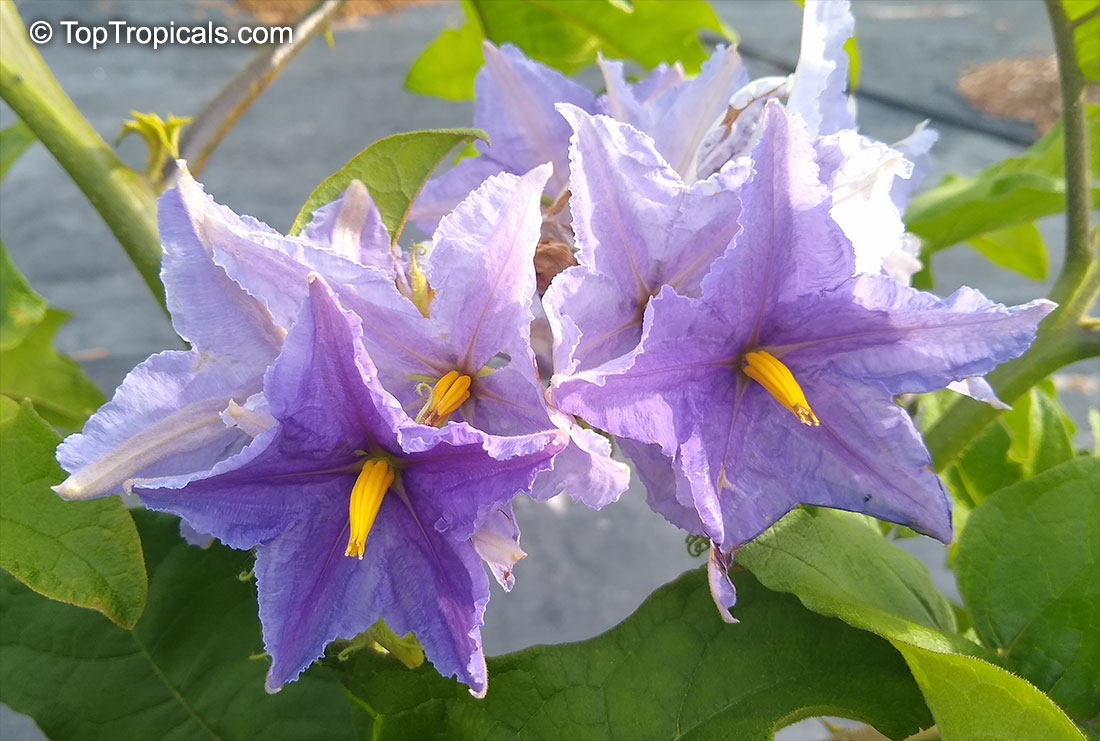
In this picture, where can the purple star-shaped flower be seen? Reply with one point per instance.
(775, 385)
(356, 512)
(472, 318)
(169, 415)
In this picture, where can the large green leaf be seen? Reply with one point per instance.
(20, 307)
(185, 672)
(1086, 35)
(394, 170)
(671, 670)
(973, 699)
(1029, 572)
(565, 34)
(1016, 191)
(84, 553)
(13, 140)
(838, 564)
(56, 385)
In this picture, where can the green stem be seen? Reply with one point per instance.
(122, 197)
(1063, 337)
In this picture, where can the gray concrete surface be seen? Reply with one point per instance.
(587, 570)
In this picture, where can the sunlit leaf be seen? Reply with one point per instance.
(84, 553)
(20, 307)
(1019, 248)
(394, 170)
(566, 34)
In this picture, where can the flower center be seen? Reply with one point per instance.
(776, 378)
(448, 394)
(366, 497)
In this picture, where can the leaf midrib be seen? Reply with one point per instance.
(176, 694)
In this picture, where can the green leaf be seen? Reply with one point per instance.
(84, 553)
(1016, 191)
(394, 170)
(20, 307)
(13, 140)
(839, 564)
(1029, 572)
(1042, 434)
(1086, 35)
(671, 670)
(447, 66)
(973, 699)
(184, 672)
(566, 35)
(55, 384)
(1019, 248)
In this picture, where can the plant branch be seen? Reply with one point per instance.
(204, 134)
(122, 197)
(1063, 337)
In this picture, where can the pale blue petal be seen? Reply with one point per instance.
(820, 94)
(352, 228)
(164, 419)
(481, 268)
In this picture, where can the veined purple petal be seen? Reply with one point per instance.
(352, 228)
(789, 246)
(668, 492)
(621, 187)
(684, 358)
(592, 321)
(821, 78)
(978, 388)
(209, 309)
(466, 474)
(481, 267)
(514, 104)
(164, 420)
(256, 495)
(443, 193)
(905, 339)
(438, 588)
(584, 470)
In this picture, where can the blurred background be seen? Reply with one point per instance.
(981, 70)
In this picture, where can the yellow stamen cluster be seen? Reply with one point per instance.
(776, 378)
(449, 393)
(366, 497)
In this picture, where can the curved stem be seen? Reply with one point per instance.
(211, 125)
(1063, 337)
(122, 197)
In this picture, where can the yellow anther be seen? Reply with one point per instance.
(776, 378)
(449, 393)
(366, 497)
